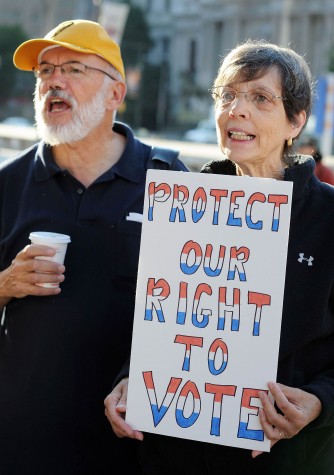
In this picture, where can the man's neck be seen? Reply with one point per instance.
(90, 157)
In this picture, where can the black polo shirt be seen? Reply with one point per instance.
(59, 355)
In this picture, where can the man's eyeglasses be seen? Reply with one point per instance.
(261, 98)
(72, 69)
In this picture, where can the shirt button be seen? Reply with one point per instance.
(80, 191)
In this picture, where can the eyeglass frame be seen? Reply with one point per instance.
(54, 66)
(244, 92)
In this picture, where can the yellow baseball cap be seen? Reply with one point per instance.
(83, 36)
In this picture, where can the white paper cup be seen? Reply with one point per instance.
(55, 240)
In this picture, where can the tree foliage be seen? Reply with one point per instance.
(141, 103)
(10, 38)
(136, 40)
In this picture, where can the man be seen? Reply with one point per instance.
(61, 347)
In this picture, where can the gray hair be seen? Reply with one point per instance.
(116, 74)
(253, 59)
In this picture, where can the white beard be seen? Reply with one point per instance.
(85, 117)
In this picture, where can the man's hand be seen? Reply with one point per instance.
(24, 274)
(115, 409)
(298, 408)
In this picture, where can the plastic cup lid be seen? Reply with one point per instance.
(49, 237)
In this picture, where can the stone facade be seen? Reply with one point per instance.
(37, 17)
(191, 36)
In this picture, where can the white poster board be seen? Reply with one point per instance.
(208, 305)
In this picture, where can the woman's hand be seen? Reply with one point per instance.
(298, 408)
(115, 409)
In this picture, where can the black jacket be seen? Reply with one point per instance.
(306, 357)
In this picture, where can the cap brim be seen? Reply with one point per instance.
(26, 55)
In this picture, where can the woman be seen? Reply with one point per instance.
(262, 97)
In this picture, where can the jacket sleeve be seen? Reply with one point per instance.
(124, 373)
(322, 385)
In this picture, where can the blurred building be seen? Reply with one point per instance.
(37, 17)
(191, 36)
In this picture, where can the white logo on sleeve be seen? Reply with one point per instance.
(309, 260)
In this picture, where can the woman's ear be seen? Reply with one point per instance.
(116, 94)
(297, 124)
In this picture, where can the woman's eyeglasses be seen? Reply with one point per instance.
(261, 98)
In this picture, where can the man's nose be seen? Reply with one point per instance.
(58, 78)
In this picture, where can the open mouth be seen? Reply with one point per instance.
(57, 105)
(240, 136)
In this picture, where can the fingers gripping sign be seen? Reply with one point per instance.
(291, 410)
(115, 409)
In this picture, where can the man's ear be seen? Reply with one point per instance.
(116, 94)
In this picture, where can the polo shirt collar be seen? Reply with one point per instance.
(44, 165)
(129, 166)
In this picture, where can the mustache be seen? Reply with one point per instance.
(58, 94)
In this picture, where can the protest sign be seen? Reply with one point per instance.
(208, 305)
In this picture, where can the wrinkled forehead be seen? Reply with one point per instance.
(74, 55)
(40, 56)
